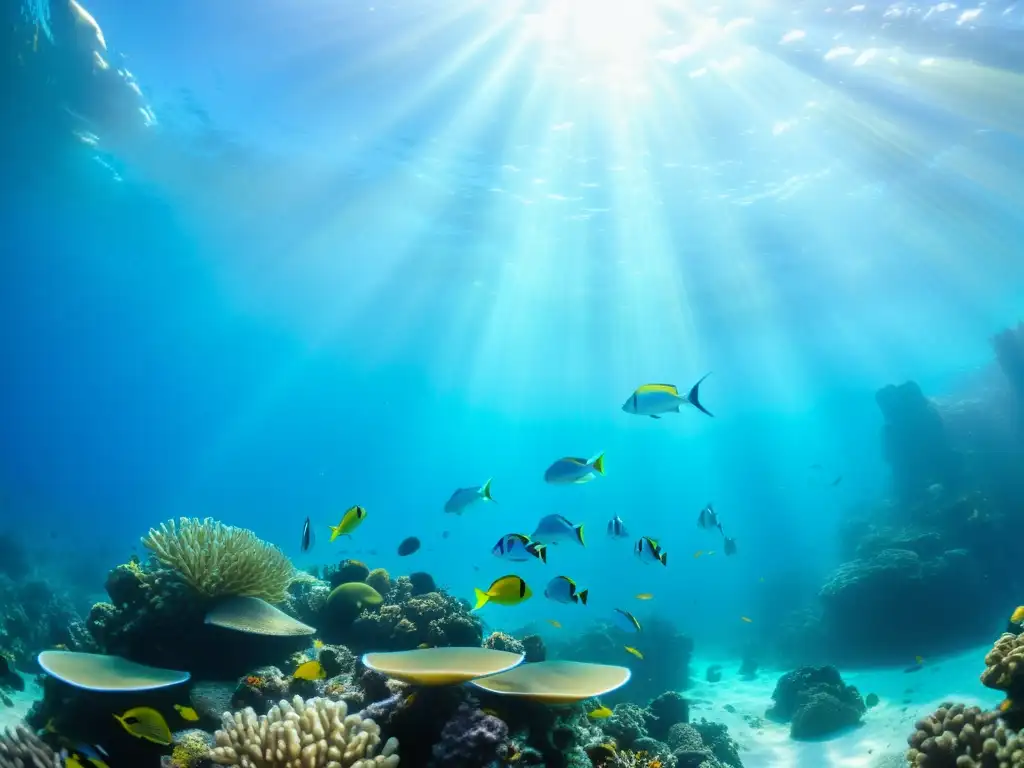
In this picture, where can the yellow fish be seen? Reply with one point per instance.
(311, 670)
(600, 713)
(744, 618)
(349, 522)
(555, 623)
(146, 723)
(634, 651)
(644, 596)
(698, 553)
(1018, 615)
(187, 713)
(508, 590)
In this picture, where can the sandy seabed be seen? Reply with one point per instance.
(882, 738)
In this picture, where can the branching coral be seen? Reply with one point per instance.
(956, 736)
(20, 748)
(316, 733)
(218, 560)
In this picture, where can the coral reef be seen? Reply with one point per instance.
(20, 748)
(301, 734)
(816, 702)
(955, 736)
(217, 560)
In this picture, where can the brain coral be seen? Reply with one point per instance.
(218, 560)
(315, 733)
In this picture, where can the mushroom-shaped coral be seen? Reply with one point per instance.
(956, 736)
(316, 733)
(218, 560)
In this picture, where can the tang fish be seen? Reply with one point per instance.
(574, 470)
(655, 399)
(146, 723)
(518, 548)
(310, 670)
(708, 518)
(650, 551)
(464, 498)
(626, 620)
(562, 589)
(508, 590)
(349, 522)
(307, 536)
(617, 528)
(554, 528)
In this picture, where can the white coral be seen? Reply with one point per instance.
(316, 733)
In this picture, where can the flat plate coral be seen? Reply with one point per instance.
(557, 682)
(96, 672)
(257, 617)
(441, 666)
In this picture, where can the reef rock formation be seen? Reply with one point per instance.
(815, 702)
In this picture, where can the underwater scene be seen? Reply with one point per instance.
(495, 383)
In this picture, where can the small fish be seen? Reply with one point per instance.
(554, 528)
(747, 620)
(408, 546)
(307, 536)
(730, 546)
(508, 590)
(317, 644)
(1018, 615)
(463, 498)
(634, 651)
(146, 723)
(600, 713)
(562, 589)
(617, 529)
(349, 522)
(656, 399)
(555, 623)
(644, 596)
(572, 470)
(187, 713)
(650, 551)
(627, 621)
(708, 518)
(310, 670)
(518, 548)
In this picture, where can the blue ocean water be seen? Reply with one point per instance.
(267, 261)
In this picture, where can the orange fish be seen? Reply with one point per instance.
(644, 596)
(744, 618)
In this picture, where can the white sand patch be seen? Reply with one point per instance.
(23, 701)
(903, 699)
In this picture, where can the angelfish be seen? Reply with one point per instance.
(655, 399)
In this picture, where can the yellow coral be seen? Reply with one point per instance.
(221, 561)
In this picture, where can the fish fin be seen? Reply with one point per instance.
(693, 397)
(481, 599)
(485, 491)
(579, 534)
(658, 417)
(598, 464)
(583, 596)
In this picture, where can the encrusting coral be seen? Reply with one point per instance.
(20, 748)
(316, 733)
(956, 736)
(218, 560)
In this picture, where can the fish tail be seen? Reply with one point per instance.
(485, 491)
(481, 599)
(579, 534)
(693, 397)
(598, 464)
(583, 596)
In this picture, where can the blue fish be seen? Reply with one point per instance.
(573, 470)
(617, 528)
(464, 498)
(554, 528)
(518, 548)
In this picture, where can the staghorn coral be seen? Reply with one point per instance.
(218, 560)
(956, 736)
(20, 748)
(316, 733)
